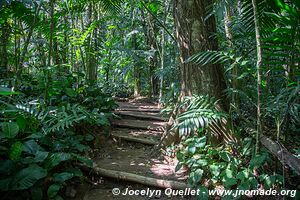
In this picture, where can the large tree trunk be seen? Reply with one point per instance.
(5, 33)
(194, 34)
(91, 58)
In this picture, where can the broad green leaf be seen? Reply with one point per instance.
(53, 190)
(215, 170)
(56, 158)
(27, 177)
(16, 150)
(202, 162)
(75, 171)
(270, 181)
(7, 91)
(32, 147)
(203, 193)
(195, 177)
(258, 161)
(228, 182)
(178, 166)
(243, 175)
(153, 7)
(62, 177)
(244, 186)
(70, 92)
(10, 129)
(86, 161)
(198, 174)
(201, 142)
(21, 122)
(225, 156)
(192, 149)
(40, 156)
(253, 182)
(228, 173)
(180, 156)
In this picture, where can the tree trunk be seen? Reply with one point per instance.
(150, 32)
(153, 58)
(258, 70)
(136, 68)
(52, 4)
(5, 33)
(91, 59)
(194, 34)
(162, 54)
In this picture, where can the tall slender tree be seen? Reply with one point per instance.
(258, 69)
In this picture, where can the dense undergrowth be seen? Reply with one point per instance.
(43, 143)
(225, 166)
(61, 62)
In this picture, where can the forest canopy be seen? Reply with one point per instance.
(224, 74)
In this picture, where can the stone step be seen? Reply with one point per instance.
(140, 124)
(140, 136)
(142, 107)
(125, 158)
(140, 115)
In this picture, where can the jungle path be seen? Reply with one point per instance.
(124, 160)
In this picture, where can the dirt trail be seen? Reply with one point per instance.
(126, 154)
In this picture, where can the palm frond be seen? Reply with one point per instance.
(112, 6)
(200, 112)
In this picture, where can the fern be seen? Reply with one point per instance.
(200, 112)
(112, 6)
(61, 117)
(216, 57)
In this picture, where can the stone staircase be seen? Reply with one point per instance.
(138, 128)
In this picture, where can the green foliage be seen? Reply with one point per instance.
(231, 166)
(279, 23)
(200, 111)
(10, 129)
(40, 143)
(64, 76)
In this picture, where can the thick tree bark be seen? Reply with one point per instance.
(5, 33)
(195, 34)
(91, 58)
